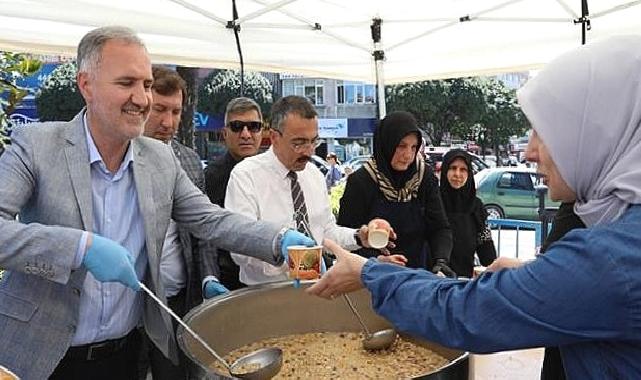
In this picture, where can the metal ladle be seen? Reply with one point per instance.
(380, 340)
(267, 361)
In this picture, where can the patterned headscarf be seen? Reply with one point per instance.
(397, 186)
(586, 108)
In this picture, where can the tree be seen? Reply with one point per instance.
(59, 97)
(13, 67)
(221, 86)
(185, 132)
(502, 117)
(440, 106)
(479, 109)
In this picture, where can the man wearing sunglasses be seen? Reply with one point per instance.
(282, 186)
(242, 134)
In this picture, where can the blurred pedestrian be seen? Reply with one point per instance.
(333, 174)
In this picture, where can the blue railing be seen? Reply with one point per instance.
(518, 225)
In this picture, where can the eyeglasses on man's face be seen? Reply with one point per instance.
(300, 145)
(237, 126)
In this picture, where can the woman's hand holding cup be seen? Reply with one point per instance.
(378, 234)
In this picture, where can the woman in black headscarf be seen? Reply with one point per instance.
(396, 185)
(466, 214)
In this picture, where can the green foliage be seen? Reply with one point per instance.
(221, 86)
(479, 109)
(12, 68)
(59, 97)
(502, 117)
(335, 195)
(440, 106)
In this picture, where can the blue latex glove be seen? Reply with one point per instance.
(109, 261)
(292, 237)
(214, 288)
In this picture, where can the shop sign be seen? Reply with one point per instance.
(332, 128)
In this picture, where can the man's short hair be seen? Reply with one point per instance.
(297, 105)
(168, 82)
(240, 105)
(90, 46)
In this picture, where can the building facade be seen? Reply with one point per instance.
(347, 112)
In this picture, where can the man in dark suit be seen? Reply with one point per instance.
(188, 265)
(242, 134)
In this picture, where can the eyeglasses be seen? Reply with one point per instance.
(237, 126)
(300, 145)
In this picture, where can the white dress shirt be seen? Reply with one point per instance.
(259, 188)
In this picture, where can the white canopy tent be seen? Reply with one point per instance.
(421, 39)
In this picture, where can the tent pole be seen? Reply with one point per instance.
(584, 20)
(379, 57)
(236, 27)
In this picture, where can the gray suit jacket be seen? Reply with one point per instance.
(45, 180)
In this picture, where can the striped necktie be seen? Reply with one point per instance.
(300, 210)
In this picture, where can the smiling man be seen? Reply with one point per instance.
(85, 207)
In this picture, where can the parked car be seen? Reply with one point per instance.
(478, 164)
(355, 162)
(490, 161)
(320, 163)
(510, 193)
(435, 158)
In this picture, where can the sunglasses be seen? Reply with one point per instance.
(237, 126)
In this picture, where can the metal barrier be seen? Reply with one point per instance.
(518, 225)
(541, 228)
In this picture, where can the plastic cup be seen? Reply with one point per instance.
(477, 271)
(378, 233)
(304, 262)
(5, 374)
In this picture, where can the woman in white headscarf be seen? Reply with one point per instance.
(584, 294)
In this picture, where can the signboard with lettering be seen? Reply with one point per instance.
(206, 123)
(332, 128)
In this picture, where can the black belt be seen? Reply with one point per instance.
(100, 350)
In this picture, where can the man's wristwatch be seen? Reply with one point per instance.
(357, 236)
(278, 241)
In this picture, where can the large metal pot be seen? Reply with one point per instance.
(271, 310)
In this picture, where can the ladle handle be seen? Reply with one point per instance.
(177, 318)
(351, 306)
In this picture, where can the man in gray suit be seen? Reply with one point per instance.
(94, 200)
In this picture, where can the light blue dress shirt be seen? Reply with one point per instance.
(110, 310)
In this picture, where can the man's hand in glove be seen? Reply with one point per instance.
(292, 237)
(214, 288)
(442, 269)
(109, 261)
